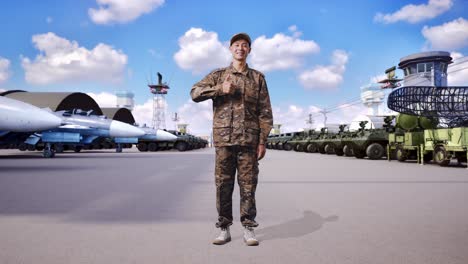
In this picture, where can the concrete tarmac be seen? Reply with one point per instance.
(104, 207)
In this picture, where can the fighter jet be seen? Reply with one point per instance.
(17, 116)
(82, 128)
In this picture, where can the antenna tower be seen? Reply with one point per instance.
(310, 121)
(159, 92)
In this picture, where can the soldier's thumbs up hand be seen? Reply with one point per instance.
(228, 87)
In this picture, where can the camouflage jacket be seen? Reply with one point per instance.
(243, 118)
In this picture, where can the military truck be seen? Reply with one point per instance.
(284, 141)
(407, 139)
(334, 143)
(316, 144)
(297, 143)
(367, 142)
(444, 144)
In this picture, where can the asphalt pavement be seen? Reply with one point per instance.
(131, 207)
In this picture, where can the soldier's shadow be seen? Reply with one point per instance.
(309, 223)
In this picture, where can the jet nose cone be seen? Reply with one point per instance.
(165, 136)
(120, 129)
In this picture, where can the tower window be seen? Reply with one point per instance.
(425, 67)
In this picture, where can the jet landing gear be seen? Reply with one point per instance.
(48, 152)
(118, 148)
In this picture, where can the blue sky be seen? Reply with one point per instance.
(314, 54)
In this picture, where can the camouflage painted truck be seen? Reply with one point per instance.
(334, 144)
(299, 143)
(367, 142)
(322, 143)
(310, 145)
(284, 143)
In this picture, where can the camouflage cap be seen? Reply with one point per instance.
(243, 36)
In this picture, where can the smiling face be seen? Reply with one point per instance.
(240, 49)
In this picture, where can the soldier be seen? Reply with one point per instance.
(241, 123)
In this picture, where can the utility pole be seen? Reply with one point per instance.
(324, 112)
(310, 121)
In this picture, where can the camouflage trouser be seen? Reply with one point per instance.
(228, 159)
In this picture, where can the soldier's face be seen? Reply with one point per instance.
(240, 49)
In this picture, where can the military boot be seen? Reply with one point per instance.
(249, 236)
(223, 238)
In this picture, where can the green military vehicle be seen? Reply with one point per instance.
(187, 141)
(310, 144)
(271, 141)
(418, 138)
(334, 143)
(297, 143)
(321, 144)
(367, 142)
(446, 143)
(407, 139)
(283, 140)
(284, 143)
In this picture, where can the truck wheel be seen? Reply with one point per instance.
(31, 147)
(152, 147)
(287, 147)
(142, 147)
(321, 150)
(359, 154)
(181, 146)
(23, 147)
(339, 152)
(348, 151)
(440, 156)
(328, 149)
(311, 148)
(299, 148)
(375, 151)
(401, 154)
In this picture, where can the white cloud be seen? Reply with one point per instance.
(199, 116)
(326, 77)
(416, 13)
(200, 51)
(448, 36)
(4, 69)
(121, 11)
(458, 70)
(295, 31)
(104, 99)
(143, 113)
(61, 60)
(281, 52)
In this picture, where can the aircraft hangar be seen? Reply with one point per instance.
(56, 101)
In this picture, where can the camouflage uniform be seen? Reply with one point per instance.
(241, 121)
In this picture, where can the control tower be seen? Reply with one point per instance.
(426, 68)
(159, 92)
(372, 96)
